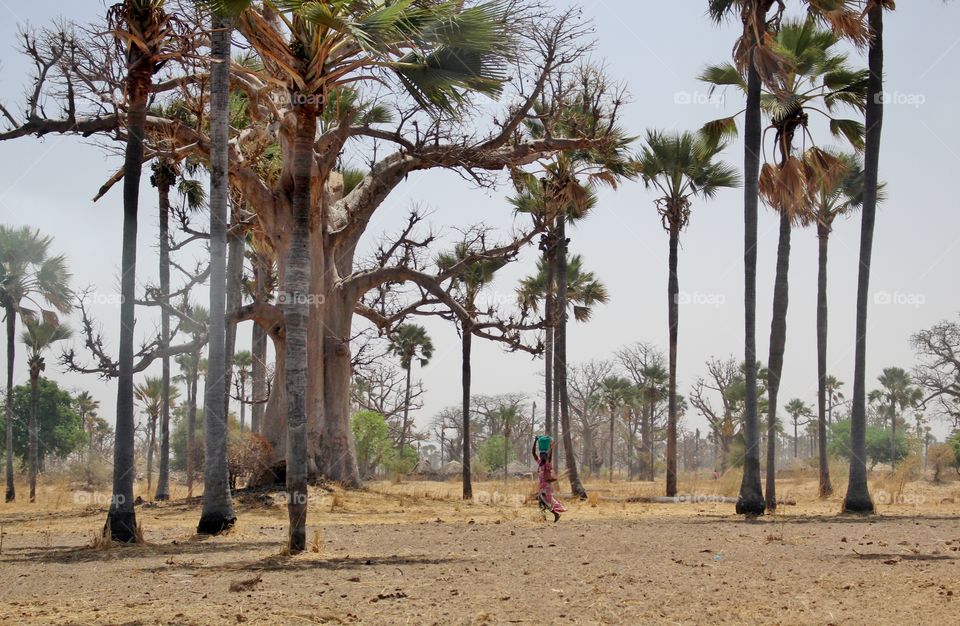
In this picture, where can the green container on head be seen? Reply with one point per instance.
(543, 443)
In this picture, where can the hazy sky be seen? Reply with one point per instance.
(657, 49)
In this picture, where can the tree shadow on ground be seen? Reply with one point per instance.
(307, 562)
(196, 545)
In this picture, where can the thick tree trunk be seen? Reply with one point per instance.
(121, 519)
(164, 181)
(673, 315)
(11, 315)
(336, 453)
(234, 299)
(778, 342)
(465, 384)
(297, 305)
(34, 436)
(258, 349)
(560, 362)
(217, 514)
(750, 500)
(826, 488)
(858, 499)
(258, 375)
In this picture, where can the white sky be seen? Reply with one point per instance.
(657, 49)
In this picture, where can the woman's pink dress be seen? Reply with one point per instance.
(546, 488)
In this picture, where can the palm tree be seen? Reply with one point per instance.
(150, 395)
(86, 408)
(834, 395)
(38, 336)
(28, 274)
(900, 394)
(469, 284)
(410, 342)
(752, 58)
(218, 514)
(166, 172)
(857, 499)
(827, 202)
(145, 29)
(584, 292)
(812, 78)
(437, 51)
(508, 416)
(680, 166)
(242, 360)
(797, 409)
(614, 393)
(191, 366)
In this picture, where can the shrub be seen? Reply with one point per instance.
(247, 454)
(941, 457)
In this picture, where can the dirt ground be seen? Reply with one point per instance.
(412, 553)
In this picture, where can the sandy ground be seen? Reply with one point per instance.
(413, 553)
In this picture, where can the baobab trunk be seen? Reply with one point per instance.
(217, 514)
(258, 375)
(673, 315)
(858, 499)
(826, 488)
(778, 342)
(336, 453)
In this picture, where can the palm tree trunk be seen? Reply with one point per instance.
(406, 413)
(778, 342)
(549, 335)
(217, 514)
(857, 499)
(11, 315)
(243, 400)
(465, 383)
(121, 519)
(151, 443)
(163, 191)
(612, 413)
(750, 500)
(191, 421)
(893, 437)
(33, 435)
(826, 488)
(296, 290)
(673, 314)
(560, 361)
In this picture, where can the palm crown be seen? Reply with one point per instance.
(411, 341)
(584, 289)
(29, 273)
